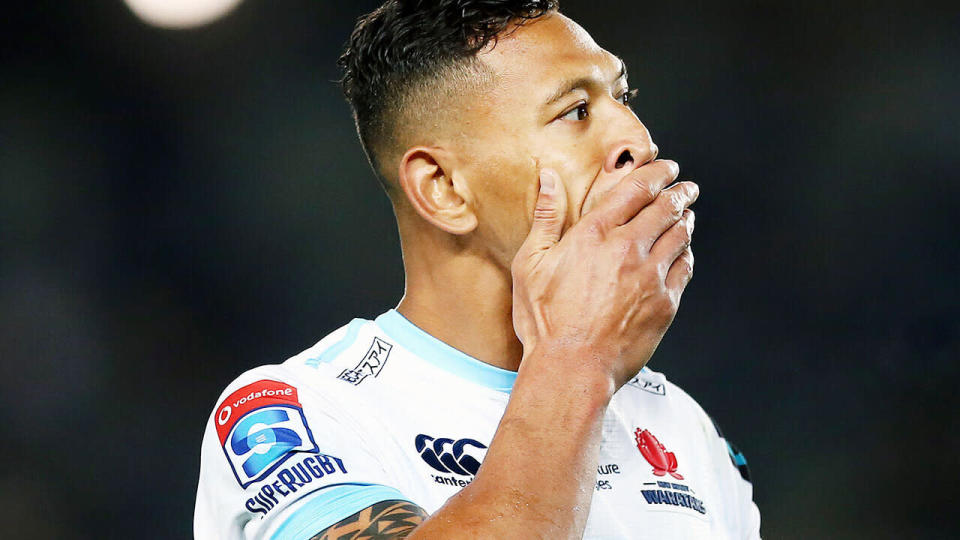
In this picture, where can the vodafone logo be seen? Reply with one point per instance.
(266, 392)
(224, 415)
(252, 396)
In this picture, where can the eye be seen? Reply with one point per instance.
(628, 96)
(577, 113)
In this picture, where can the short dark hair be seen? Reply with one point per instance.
(409, 45)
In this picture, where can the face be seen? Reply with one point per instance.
(559, 101)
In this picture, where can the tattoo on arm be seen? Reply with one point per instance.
(386, 520)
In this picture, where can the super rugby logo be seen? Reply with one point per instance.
(450, 456)
(260, 426)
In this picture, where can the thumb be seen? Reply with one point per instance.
(549, 215)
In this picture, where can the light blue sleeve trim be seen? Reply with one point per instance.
(738, 457)
(444, 356)
(334, 350)
(330, 505)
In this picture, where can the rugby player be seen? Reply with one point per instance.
(546, 249)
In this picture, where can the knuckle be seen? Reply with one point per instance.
(688, 224)
(627, 247)
(686, 261)
(663, 302)
(686, 234)
(595, 226)
(651, 280)
(643, 188)
(675, 204)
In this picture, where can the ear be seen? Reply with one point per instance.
(427, 179)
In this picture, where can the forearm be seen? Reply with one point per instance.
(537, 478)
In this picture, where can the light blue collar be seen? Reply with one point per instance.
(442, 355)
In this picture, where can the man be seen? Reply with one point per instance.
(545, 250)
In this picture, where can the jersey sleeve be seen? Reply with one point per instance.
(734, 474)
(280, 461)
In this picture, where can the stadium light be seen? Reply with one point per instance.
(180, 13)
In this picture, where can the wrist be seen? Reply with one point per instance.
(573, 367)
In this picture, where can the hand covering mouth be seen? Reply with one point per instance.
(595, 192)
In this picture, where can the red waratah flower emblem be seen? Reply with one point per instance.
(656, 454)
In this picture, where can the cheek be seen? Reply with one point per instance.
(505, 189)
(578, 165)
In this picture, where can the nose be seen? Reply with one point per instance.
(626, 156)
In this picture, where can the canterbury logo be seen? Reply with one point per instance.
(448, 455)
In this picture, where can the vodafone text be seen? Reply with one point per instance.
(225, 412)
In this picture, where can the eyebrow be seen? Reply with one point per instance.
(581, 82)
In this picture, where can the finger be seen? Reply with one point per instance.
(663, 213)
(674, 241)
(635, 191)
(549, 215)
(680, 273)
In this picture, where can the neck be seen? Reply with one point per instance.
(460, 297)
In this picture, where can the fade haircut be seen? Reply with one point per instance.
(402, 59)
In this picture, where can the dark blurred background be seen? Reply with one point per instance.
(178, 206)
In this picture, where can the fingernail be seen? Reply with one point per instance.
(548, 181)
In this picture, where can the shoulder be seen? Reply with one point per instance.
(284, 435)
(296, 387)
(705, 423)
(324, 351)
(353, 353)
(287, 398)
(656, 383)
(332, 346)
(305, 370)
(656, 392)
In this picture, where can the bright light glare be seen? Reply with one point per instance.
(180, 13)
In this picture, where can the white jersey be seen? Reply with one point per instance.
(380, 410)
